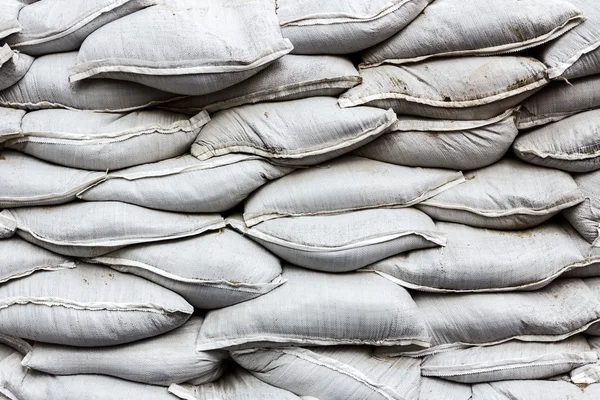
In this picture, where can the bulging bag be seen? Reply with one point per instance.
(13, 66)
(585, 217)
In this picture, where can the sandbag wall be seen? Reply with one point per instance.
(259, 199)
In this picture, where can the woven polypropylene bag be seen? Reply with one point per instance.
(13, 66)
(585, 217)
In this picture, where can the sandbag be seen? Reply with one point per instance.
(13, 66)
(93, 229)
(46, 85)
(238, 384)
(512, 360)
(344, 242)
(576, 53)
(594, 285)
(585, 217)
(87, 306)
(105, 141)
(27, 181)
(560, 100)
(19, 382)
(10, 123)
(457, 27)
(560, 310)
(212, 270)
(55, 26)
(483, 260)
(161, 360)
(226, 43)
(591, 253)
(346, 184)
(298, 132)
(532, 390)
(186, 184)
(572, 144)
(508, 195)
(21, 258)
(301, 313)
(436, 389)
(9, 21)
(334, 372)
(342, 27)
(461, 145)
(464, 88)
(8, 225)
(288, 78)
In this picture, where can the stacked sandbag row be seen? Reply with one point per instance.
(209, 200)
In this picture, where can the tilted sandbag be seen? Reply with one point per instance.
(464, 88)
(160, 360)
(13, 66)
(346, 184)
(238, 384)
(300, 312)
(87, 306)
(27, 181)
(344, 242)
(508, 195)
(9, 21)
(585, 217)
(225, 44)
(107, 141)
(21, 258)
(512, 360)
(289, 77)
(93, 229)
(19, 382)
(212, 270)
(483, 260)
(298, 132)
(46, 85)
(10, 123)
(342, 27)
(572, 144)
(577, 52)
(461, 145)
(458, 27)
(334, 372)
(533, 390)
(560, 100)
(186, 184)
(55, 26)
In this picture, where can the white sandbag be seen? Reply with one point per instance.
(238, 384)
(55, 26)
(585, 217)
(591, 253)
(288, 78)
(586, 375)
(464, 88)
(594, 285)
(512, 360)
(186, 184)
(212, 270)
(301, 313)
(436, 389)
(225, 44)
(576, 53)
(21, 258)
(334, 372)
(298, 132)
(509, 195)
(483, 260)
(93, 229)
(344, 242)
(46, 85)
(13, 66)
(457, 28)
(9, 21)
(560, 310)
(88, 306)
(20, 345)
(461, 145)
(342, 27)
(530, 390)
(10, 123)
(8, 225)
(19, 382)
(346, 184)
(103, 141)
(161, 360)
(27, 181)
(560, 100)
(572, 144)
